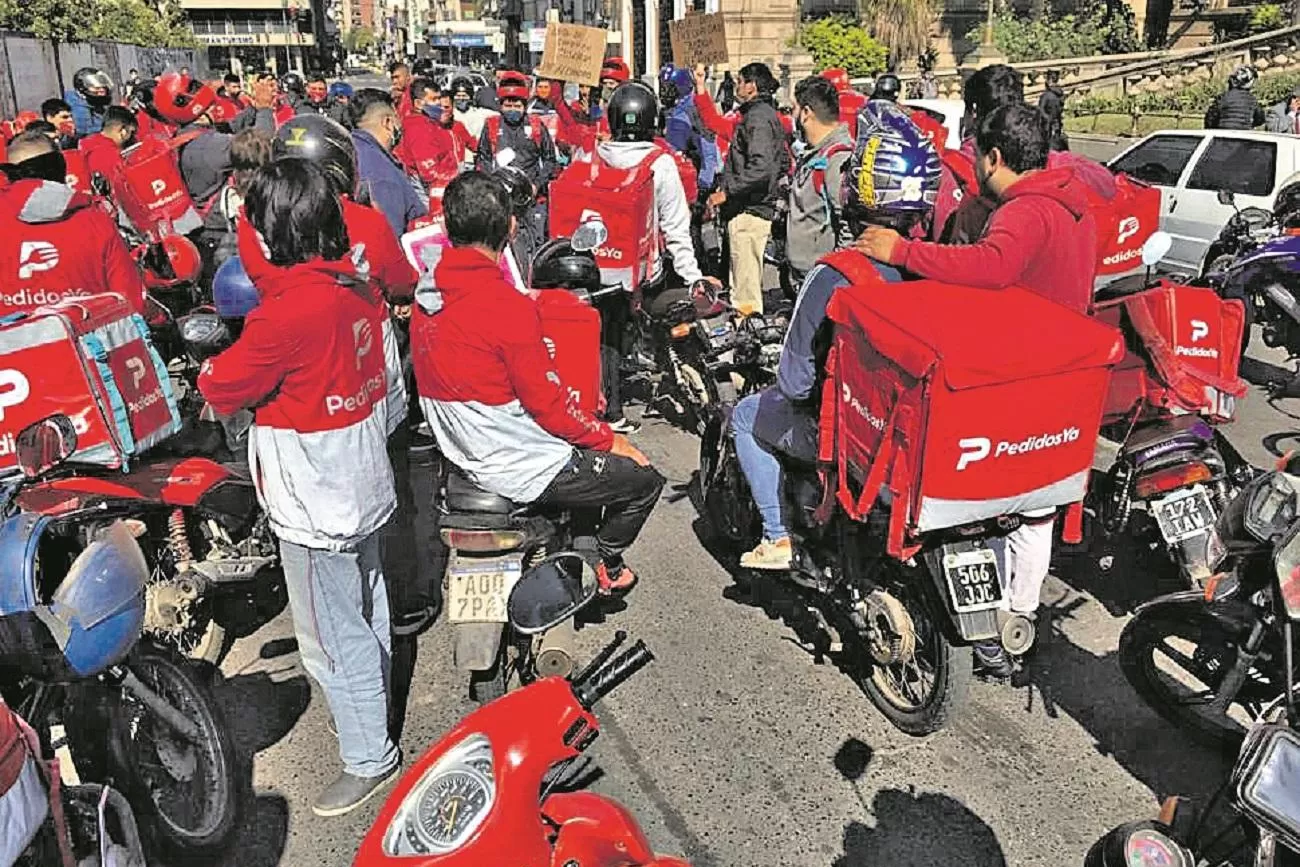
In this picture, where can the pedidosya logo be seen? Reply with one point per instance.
(974, 449)
(1200, 331)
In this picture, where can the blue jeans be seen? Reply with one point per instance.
(340, 616)
(764, 424)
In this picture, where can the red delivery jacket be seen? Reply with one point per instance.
(311, 361)
(55, 244)
(488, 386)
(427, 149)
(464, 143)
(101, 153)
(1042, 236)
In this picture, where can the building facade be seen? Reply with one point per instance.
(247, 35)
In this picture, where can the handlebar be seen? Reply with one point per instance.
(611, 676)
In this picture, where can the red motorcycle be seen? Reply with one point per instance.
(474, 797)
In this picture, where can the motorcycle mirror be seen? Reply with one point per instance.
(42, 446)
(591, 234)
(204, 329)
(1156, 248)
(551, 592)
(1226, 197)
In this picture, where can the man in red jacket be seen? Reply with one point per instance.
(490, 392)
(426, 147)
(1041, 236)
(103, 150)
(54, 243)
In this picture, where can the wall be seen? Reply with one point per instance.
(29, 75)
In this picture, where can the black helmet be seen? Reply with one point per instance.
(633, 112)
(522, 193)
(291, 82)
(887, 87)
(324, 142)
(88, 79)
(558, 266)
(1286, 207)
(462, 84)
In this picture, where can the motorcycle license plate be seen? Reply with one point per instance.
(973, 580)
(478, 589)
(1184, 514)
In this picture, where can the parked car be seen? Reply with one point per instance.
(1190, 167)
(947, 111)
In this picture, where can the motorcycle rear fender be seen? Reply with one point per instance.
(476, 645)
(1234, 612)
(960, 628)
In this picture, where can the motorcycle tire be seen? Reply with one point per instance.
(953, 670)
(1144, 634)
(188, 797)
(490, 685)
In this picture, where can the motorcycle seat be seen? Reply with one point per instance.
(462, 495)
(1178, 433)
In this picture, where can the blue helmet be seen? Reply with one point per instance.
(674, 83)
(894, 169)
(340, 88)
(233, 294)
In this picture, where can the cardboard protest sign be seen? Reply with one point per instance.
(572, 53)
(699, 39)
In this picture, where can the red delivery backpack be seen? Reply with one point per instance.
(92, 360)
(1124, 224)
(685, 170)
(149, 188)
(624, 200)
(964, 405)
(571, 329)
(1184, 347)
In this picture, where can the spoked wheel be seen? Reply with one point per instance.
(185, 788)
(728, 505)
(1178, 659)
(923, 678)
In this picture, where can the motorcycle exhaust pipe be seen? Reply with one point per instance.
(1017, 631)
(555, 650)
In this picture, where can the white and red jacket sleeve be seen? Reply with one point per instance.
(249, 371)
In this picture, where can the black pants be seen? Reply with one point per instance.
(614, 312)
(625, 490)
(408, 594)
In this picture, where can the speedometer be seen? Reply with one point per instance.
(449, 809)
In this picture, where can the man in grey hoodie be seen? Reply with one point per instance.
(814, 222)
(1285, 115)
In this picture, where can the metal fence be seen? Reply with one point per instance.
(33, 70)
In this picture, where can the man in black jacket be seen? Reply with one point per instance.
(751, 183)
(1237, 107)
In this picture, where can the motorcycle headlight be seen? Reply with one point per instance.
(447, 805)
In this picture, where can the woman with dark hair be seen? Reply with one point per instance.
(310, 361)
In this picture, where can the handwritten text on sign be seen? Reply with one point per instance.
(572, 53)
(699, 39)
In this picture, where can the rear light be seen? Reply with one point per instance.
(680, 331)
(1171, 479)
(483, 541)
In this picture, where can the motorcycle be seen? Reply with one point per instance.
(491, 789)
(137, 715)
(1213, 661)
(1253, 261)
(1168, 470)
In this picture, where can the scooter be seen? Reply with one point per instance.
(489, 791)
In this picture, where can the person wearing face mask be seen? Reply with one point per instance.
(471, 115)
(427, 149)
(382, 181)
(103, 150)
(525, 137)
(90, 94)
(814, 220)
(340, 94)
(54, 243)
(316, 98)
(462, 142)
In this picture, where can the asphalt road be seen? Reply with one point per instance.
(737, 748)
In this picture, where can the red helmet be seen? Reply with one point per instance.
(838, 77)
(513, 86)
(615, 68)
(182, 99)
(223, 111)
(23, 119)
(174, 260)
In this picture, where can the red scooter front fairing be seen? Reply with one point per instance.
(473, 799)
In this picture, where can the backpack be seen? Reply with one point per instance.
(686, 170)
(624, 200)
(820, 164)
(150, 188)
(493, 127)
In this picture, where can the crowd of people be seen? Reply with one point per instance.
(310, 185)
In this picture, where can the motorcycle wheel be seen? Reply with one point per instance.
(729, 508)
(918, 696)
(1214, 654)
(490, 685)
(188, 796)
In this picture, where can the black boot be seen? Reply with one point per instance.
(991, 661)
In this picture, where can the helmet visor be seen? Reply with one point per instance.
(106, 579)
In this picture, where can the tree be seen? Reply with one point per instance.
(47, 19)
(903, 25)
(840, 42)
(135, 21)
(359, 40)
